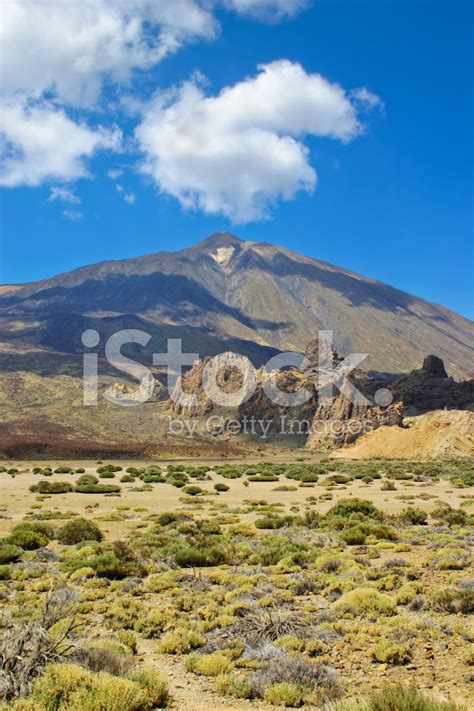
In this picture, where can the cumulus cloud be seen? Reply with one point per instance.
(69, 48)
(72, 48)
(58, 55)
(41, 142)
(239, 152)
(130, 198)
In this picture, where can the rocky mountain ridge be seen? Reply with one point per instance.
(227, 294)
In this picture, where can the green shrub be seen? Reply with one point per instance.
(353, 536)
(126, 478)
(221, 487)
(391, 653)
(400, 698)
(5, 572)
(52, 487)
(338, 479)
(9, 553)
(97, 489)
(453, 517)
(180, 641)
(348, 507)
(270, 522)
(166, 518)
(27, 538)
(68, 687)
(153, 685)
(194, 557)
(366, 602)
(284, 694)
(454, 600)
(233, 686)
(78, 530)
(417, 517)
(209, 664)
(192, 490)
(86, 480)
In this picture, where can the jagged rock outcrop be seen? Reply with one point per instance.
(327, 421)
(228, 370)
(430, 388)
(341, 422)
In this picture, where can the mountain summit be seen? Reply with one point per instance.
(225, 293)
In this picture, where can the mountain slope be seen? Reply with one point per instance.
(226, 293)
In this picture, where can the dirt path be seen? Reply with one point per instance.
(190, 692)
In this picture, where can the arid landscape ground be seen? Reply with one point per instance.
(248, 583)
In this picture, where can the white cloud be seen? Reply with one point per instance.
(366, 100)
(58, 55)
(271, 10)
(65, 195)
(41, 142)
(115, 173)
(241, 151)
(70, 46)
(130, 198)
(73, 215)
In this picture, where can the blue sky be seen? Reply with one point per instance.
(393, 193)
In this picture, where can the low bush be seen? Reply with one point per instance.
(213, 664)
(453, 517)
(105, 655)
(5, 572)
(52, 487)
(416, 517)
(270, 522)
(9, 553)
(180, 641)
(365, 602)
(353, 536)
(234, 686)
(78, 530)
(86, 480)
(391, 653)
(454, 600)
(96, 489)
(196, 557)
(27, 538)
(349, 507)
(400, 698)
(64, 687)
(192, 490)
(284, 694)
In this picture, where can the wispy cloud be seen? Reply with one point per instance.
(130, 198)
(73, 215)
(115, 173)
(65, 195)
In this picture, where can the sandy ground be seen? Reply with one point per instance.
(16, 500)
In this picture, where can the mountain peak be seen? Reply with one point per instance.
(221, 239)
